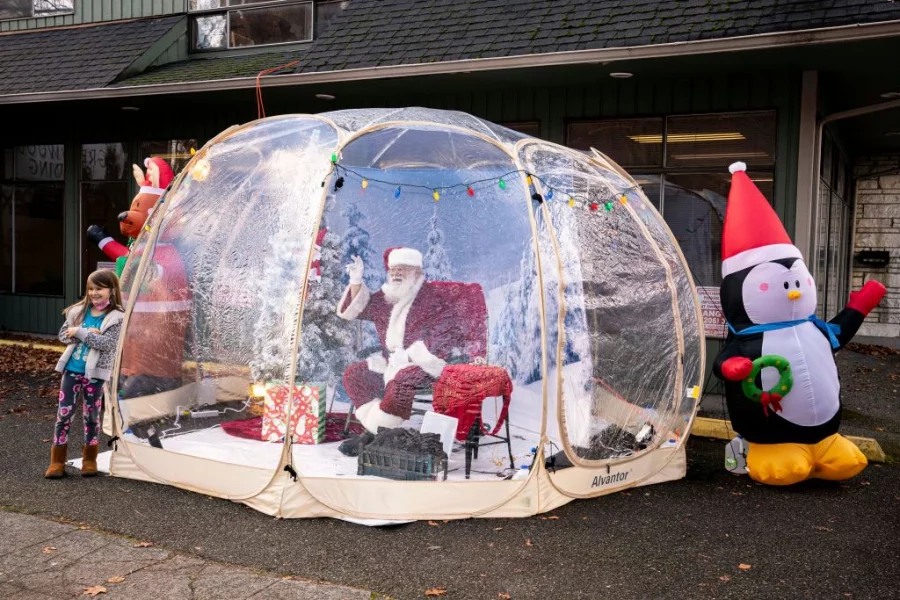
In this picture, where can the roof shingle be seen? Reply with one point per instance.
(73, 58)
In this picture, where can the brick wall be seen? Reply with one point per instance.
(878, 228)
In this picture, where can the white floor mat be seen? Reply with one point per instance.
(324, 460)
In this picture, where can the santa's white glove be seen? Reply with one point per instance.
(355, 270)
(397, 361)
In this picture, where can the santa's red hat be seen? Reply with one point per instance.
(402, 256)
(753, 233)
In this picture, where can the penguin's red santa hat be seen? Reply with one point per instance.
(753, 233)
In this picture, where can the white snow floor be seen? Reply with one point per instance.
(324, 460)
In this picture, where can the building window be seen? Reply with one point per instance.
(104, 191)
(224, 24)
(682, 162)
(175, 152)
(833, 242)
(529, 128)
(31, 220)
(26, 9)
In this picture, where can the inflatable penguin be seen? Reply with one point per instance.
(781, 381)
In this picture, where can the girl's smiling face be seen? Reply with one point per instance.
(99, 296)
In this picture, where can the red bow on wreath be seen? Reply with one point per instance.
(770, 398)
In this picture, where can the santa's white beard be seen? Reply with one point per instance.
(397, 291)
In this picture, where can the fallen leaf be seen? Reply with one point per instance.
(821, 528)
(865, 483)
(434, 523)
(498, 529)
(435, 592)
(116, 579)
(45, 440)
(744, 567)
(528, 543)
(48, 549)
(93, 591)
(503, 596)
(724, 578)
(552, 518)
(143, 544)
(434, 547)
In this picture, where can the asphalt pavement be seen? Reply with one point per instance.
(710, 535)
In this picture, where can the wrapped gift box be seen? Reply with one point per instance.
(307, 419)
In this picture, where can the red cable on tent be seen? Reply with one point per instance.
(260, 109)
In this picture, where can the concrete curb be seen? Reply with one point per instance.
(721, 429)
(40, 558)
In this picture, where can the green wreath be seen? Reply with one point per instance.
(780, 390)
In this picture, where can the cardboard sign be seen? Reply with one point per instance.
(713, 317)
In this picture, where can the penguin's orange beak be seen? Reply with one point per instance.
(794, 295)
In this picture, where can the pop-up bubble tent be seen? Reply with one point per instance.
(562, 330)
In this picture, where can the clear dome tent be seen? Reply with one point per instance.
(548, 345)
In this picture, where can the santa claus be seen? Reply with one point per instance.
(419, 332)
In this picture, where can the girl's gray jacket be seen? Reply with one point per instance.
(103, 345)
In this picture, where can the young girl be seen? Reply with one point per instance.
(90, 332)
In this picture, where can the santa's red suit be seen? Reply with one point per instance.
(418, 334)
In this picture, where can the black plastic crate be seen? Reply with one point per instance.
(402, 465)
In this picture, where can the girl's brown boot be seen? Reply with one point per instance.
(57, 467)
(89, 461)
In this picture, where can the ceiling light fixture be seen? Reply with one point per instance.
(892, 133)
(621, 75)
(890, 95)
(680, 138)
(131, 108)
(324, 96)
(720, 155)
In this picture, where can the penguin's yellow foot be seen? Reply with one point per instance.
(837, 458)
(779, 464)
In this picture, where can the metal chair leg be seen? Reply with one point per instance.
(347, 422)
(512, 462)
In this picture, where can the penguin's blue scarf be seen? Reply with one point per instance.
(829, 329)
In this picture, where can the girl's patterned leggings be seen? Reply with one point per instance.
(91, 391)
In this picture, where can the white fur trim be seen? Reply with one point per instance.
(398, 361)
(396, 330)
(356, 307)
(376, 362)
(104, 242)
(147, 189)
(738, 166)
(372, 417)
(428, 362)
(756, 256)
(405, 256)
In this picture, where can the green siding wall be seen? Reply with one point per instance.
(34, 314)
(177, 51)
(96, 11)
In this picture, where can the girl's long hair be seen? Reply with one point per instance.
(102, 279)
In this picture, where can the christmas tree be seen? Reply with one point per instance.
(325, 339)
(356, 243)
(436, 264)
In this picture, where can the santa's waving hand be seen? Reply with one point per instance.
(355, 271)
(415, 337)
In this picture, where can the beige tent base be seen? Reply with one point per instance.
(720, 429)
(280, 496)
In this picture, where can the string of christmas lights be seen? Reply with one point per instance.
(574, 201)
